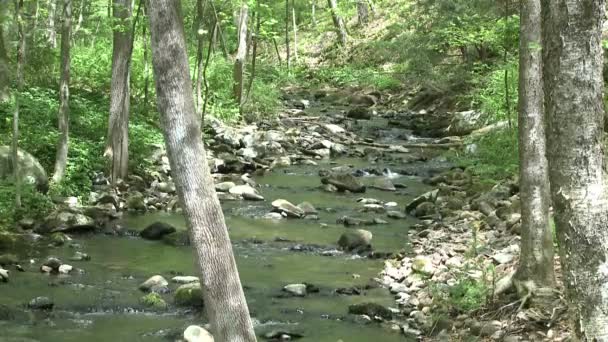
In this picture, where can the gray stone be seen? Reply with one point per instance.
(287, 208)
(356, 240)
(224, 186)
(189, 295)
(425, 209)
(298, 290)
(430, 196)
(153, 283)
(30, 169)
(157, 230)
(194, 333)
(3, 275)
(41, 303)
(344, 182)
(371, 310)
(185, 279)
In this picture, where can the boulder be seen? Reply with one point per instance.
(356, 240)
(430, 196)
(179, 238)
(463, 123)
(224, 186)
(30, 169)
(383, 184)
(287, 208)
(194, 333)
(298, 290)
(307, 208)
(3, 275)
(343, 182)
(334, 129)
(425, 209)
(185, 279)
(157, 230)
(41, 303)
(359, 113)
(154, 284)
(65, 269)
(66, 221)
(154, 301)
(189, 295)
(371, 310)
(136, 201)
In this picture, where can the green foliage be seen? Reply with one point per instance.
(492, 94)
(34, 205)
(468, 294)
(353, 76)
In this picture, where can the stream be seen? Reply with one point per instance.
(101, 303)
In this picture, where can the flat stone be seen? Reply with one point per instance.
(185, 279)
(298, 290)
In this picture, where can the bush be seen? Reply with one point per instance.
(34, 205)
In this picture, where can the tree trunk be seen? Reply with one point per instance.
(20, 81)
(64, 93)
(287, 49)
(146, 65)
(241, 55)
(117, 148)
(5, 70)
(362, 12)
(572, 67)
(536, 268)
(295, 31)
(52, 31)
(36, 16)
(80, 17)
(338, 22)
(313, 13)
(200, 9)
(225, 302)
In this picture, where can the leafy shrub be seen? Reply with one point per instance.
(34, 205)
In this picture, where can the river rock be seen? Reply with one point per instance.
(430, 196)
(307, 208)
(397, 215)
(343, 182)
(287, 208)
(79, 256)
(189, 295)
(371, 310)
(3, 275)
(53, 263)
(157, 230)
(65, 269)
(66, 221)
(224, 186)
(185, 279)
(154, 300)
(30, 169)
(41, 303)
(298, 290)
(425, 209)
(334, 129)
(383, 184)
(251, 196)
(154, 284)
(177, 239)
(359, 113)
(136, 201)
(424, 265)
(194, 333)
(356, 240)
(239, 190)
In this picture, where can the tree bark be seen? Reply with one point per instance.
(536, 267)
(20, 81)
(338, 22)
(52, 31)
(572, 70)
(241, 55)
(80, 21)
(200, 9)
(225, 302)
(313, 13)
(146, 63)
(5, 70)
(295, 31)
(287, 49)
(362, 12)
(117, 148)
(61, 159)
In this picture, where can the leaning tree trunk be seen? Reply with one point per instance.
(362, 12)
(241, 56)
(117, 148)
(51, 30)
(61, 159)
(536, 262)
(338, 22)
(573, 60)
(5, 69)
(225, 302)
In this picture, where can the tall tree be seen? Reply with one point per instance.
(117, 147)
(51, 30)
(295, 30)
(572, 70)
(200, 37)
(20, 81)
(536, 261)
(225, 302)
(241, 56)
(313, 13)
(362, 12)
(61, 159)
(5, 68)
(287, 48)
(338, 22)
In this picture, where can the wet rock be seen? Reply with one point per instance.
(374, 208)
(280, 335)
(177, 239)
(52, 263)
(383, 184)
(430, 196)
(298, 290)
(27, 223)
(154, 301)
(283, 161)
(189, 295)
(334, 129)
(359, 113)
(248, 196)
(59, 239)
(425, 209)
(344, 182)
(371, 310)
(356, 240)
(239, 190)
(154, 284)
(185, 279)
(41, 303)
(273, 216)
(424, 265)
(224, 186)
(79, 256)
(65, 269)
(287, 208)
(8, 259)
(348, 221)
(396, 215)
(157, 230)
(194, 333)
(307, 208)
(45, 269)
(66, 221)
(3, 275)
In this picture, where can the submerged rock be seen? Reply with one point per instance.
(154, 300)
(189, 295)
(298, 290)
(157, 230)
(356, 240)
(343, 182)
(41, 303)
(194, 333)
(371, 310)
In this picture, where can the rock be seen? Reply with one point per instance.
(396, 215)
(371, 310)
(189, 295)
(157, 230)
(344, 182)
(41, 303)
(383, 184)
(283, 161)
(194, 333)
(307, 208)
(136, 201)
(185, 279)
(45, 269)
(59, 239)
(27, 223)
(177, 239)
(463, 123)
(348, 221)
(273, 216)
(53, 263)
(430, 196)
(489, 328)
(224, 186)
(154, 284)
(298, 290)
(79, 256)
(239, 190)
(66, 221)
(30, 169)
(424, 265)
(359, 113)
(3, 275)
(252, 196)
(334, 129)
(398, 287)
(503, 258)
(288, 209)
(65, 269)
(8, 259)
(154, 300)
(425, 209)
(356, 240)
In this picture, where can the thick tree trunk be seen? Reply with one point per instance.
(295, 31)
(573, 60)
(338, 22)
(51, 30)
(287, 49)
(241, 55)
(61, 159)
(536, 262)
(225, 302)
(117, 148)
(362, 12)
(20, 81)
(5, 70)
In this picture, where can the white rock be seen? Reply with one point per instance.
(185, 279)
(296, 289)
(194, 333)
(153, 282)
(65, 269)
(241, 189)
(334, 129)
(3, 275)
